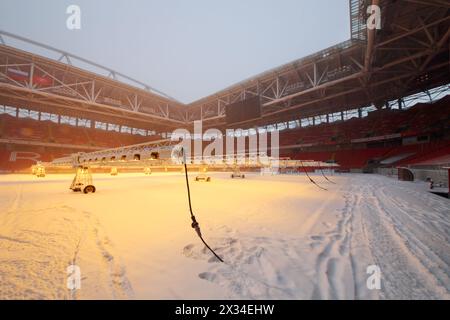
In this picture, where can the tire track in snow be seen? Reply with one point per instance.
(403, 274)
(334, 268)
(38, 244)
(425, 244)
(119, 284)
(12, 210)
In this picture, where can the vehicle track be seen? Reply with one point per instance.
(395, 244)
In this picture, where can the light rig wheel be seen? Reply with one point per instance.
(89, 189)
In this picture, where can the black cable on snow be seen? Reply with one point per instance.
(195, 224)
(311, 179)
(320, 168)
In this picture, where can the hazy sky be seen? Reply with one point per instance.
(186, 48)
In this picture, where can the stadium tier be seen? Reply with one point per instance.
(419, 119)
(386, 137)
(25, 141)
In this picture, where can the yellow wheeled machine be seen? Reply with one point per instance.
(237, 172)
(114, 171)
(38, 171)
(147, 171)
(203, 174)
(83, 181)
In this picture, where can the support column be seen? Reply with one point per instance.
(448, 170)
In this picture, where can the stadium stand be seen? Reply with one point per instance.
(383, 138)
(24, 141)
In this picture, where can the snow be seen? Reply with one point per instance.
(281, 238)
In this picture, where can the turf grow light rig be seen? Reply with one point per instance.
(164, 155)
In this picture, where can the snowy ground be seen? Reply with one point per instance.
(280, 236)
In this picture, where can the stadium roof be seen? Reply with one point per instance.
(407, 55)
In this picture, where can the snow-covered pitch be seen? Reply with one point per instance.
(281, 238)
